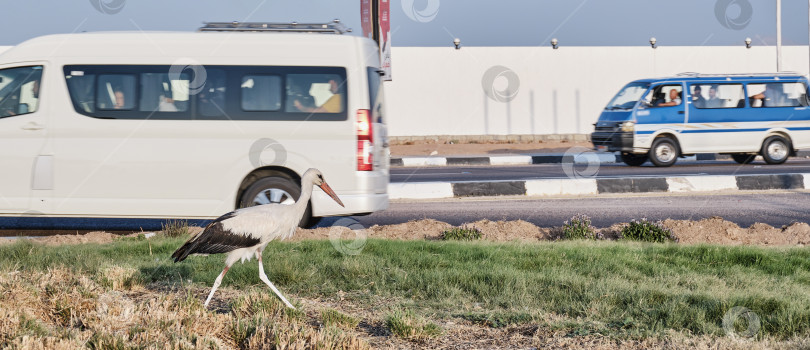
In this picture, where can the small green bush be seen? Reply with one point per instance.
(462, 233)
(579, 227)
(646, 231)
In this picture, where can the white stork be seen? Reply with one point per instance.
(244, 233)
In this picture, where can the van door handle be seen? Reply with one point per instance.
(33, 126)
(681, 112)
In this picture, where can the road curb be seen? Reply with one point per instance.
(597, 186)
(550, 158)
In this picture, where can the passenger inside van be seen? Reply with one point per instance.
(771, 97)
(697, 97)
(713, 101)
(333, 105)
(120, 99)
(674, 99)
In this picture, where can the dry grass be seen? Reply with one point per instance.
(58, 309)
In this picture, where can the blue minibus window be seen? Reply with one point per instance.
(792, 94)
(664, 96)
(628, 96)
(711, 96)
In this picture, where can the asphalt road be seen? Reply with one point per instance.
(772, 207)
(545, 171)
(776, 209)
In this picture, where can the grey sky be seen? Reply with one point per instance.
(436, 22)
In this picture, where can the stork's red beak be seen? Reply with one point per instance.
(325, 187)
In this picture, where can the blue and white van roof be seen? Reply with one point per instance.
(744, 77)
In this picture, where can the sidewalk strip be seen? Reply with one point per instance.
(595, 186)
(420, 190)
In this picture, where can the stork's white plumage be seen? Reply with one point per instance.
(244, 233)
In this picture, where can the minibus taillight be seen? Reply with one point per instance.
(365, 139)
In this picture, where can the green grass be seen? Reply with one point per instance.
(407, 325)
(617, 288)
(334, 318)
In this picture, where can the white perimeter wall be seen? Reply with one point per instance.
(438, 91)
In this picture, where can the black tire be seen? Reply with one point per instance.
(276, 189)
(743, 158)
(776, 150)
(664, 152)
(634, 159)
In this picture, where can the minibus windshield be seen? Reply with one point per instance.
(628, 96)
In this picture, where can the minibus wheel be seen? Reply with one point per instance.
(743, 158)
(775, 150)
(279, 190)
(634, 159)
(664, 152)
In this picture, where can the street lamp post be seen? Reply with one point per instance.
(778, 35)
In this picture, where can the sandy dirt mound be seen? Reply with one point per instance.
(411, 230)
(510, 230)
(718, 231)
(713, 230)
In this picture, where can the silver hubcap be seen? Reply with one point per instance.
(665, 153)
(777, 150)
(273, 195)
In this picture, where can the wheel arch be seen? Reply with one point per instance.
(671, 134)
(779, 132)
(259, 173)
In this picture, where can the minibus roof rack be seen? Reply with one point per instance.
(780, 74)
(334, 27)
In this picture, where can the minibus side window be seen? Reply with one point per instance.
(115, 92)
(19, 90)
(664, 96)
(163, 92)
(777, 94)
(315, 93)
(82, 91)
(712, 96)
(211, 98)
(261, 93)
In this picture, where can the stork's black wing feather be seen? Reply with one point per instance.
(214, 239)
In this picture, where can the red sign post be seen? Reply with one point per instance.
(385, 34)
(376, 18)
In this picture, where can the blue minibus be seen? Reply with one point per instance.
(743, 115)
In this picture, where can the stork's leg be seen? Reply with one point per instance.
(216, 285)
(266, 280)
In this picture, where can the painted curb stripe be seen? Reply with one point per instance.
(603, 158)
(554, 187)
(486, 189)
(770, 182)
(632, 185)
(468, 161)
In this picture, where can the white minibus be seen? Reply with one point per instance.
(190, 125)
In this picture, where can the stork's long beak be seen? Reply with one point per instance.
(325, 187)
